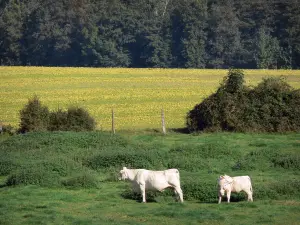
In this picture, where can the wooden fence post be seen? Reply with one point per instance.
(163, 121)
(113, 121)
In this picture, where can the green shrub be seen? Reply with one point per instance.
(212, 157)
(82, 180)
(256, 160)
(223, 110)
(58, 121)
(264, 191)
(34, 116)
(287, 161)
(287, 188)
(78, 119)
(272, 106)
(74, 119)
(7, 165)
(37, 167)
(7, 129)
(198, 189)
(33, 174)
(129, 157)
(277, 189)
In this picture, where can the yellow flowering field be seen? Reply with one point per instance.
(136, 95)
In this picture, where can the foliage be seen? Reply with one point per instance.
(271, 106)
(156, 33)
(78, 119)
(119, 157)
(74, 119)
(32, 175)
(58, 120)
(7, 129)
(34, 116)
(82, 180)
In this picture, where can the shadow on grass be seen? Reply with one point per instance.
(182, 130)
(151, 197)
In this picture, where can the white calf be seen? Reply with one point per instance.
(234, 184)
(143, 180)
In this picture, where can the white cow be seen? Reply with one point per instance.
(234, 184)
(143, 180)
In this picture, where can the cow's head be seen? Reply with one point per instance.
(224, 183)
(123, 174)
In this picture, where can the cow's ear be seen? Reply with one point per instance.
(221, 176)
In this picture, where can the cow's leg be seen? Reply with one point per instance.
(176, 195)
(143, 192)
(249, 194)
(228, 196)
(179, 193)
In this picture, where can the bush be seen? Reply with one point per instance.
(34, 116)
(256, 160)
(7, 129)
(222, 110)
(129, 157)
(209, 157)
(7, 165)
(277, 190)
(58, 121)
(196, 189)
(74, 119)
(33, 174)
(287, 161)
(272, 106)
(81, 180)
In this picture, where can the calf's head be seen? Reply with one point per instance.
(224, 183)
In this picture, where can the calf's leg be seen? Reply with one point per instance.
(220, 198)
(228, 196)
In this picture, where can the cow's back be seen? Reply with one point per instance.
(241, 183)
(172, 175)
(159, 180)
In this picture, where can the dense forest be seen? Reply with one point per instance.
(151, 33)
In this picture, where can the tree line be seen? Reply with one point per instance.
(151, 33)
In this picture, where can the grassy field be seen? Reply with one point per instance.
(137, 95)
(70, 178)
(35, 205)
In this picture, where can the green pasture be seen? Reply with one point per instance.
(71, 177)
(36, 205)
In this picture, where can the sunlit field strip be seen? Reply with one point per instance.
(137, 95)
